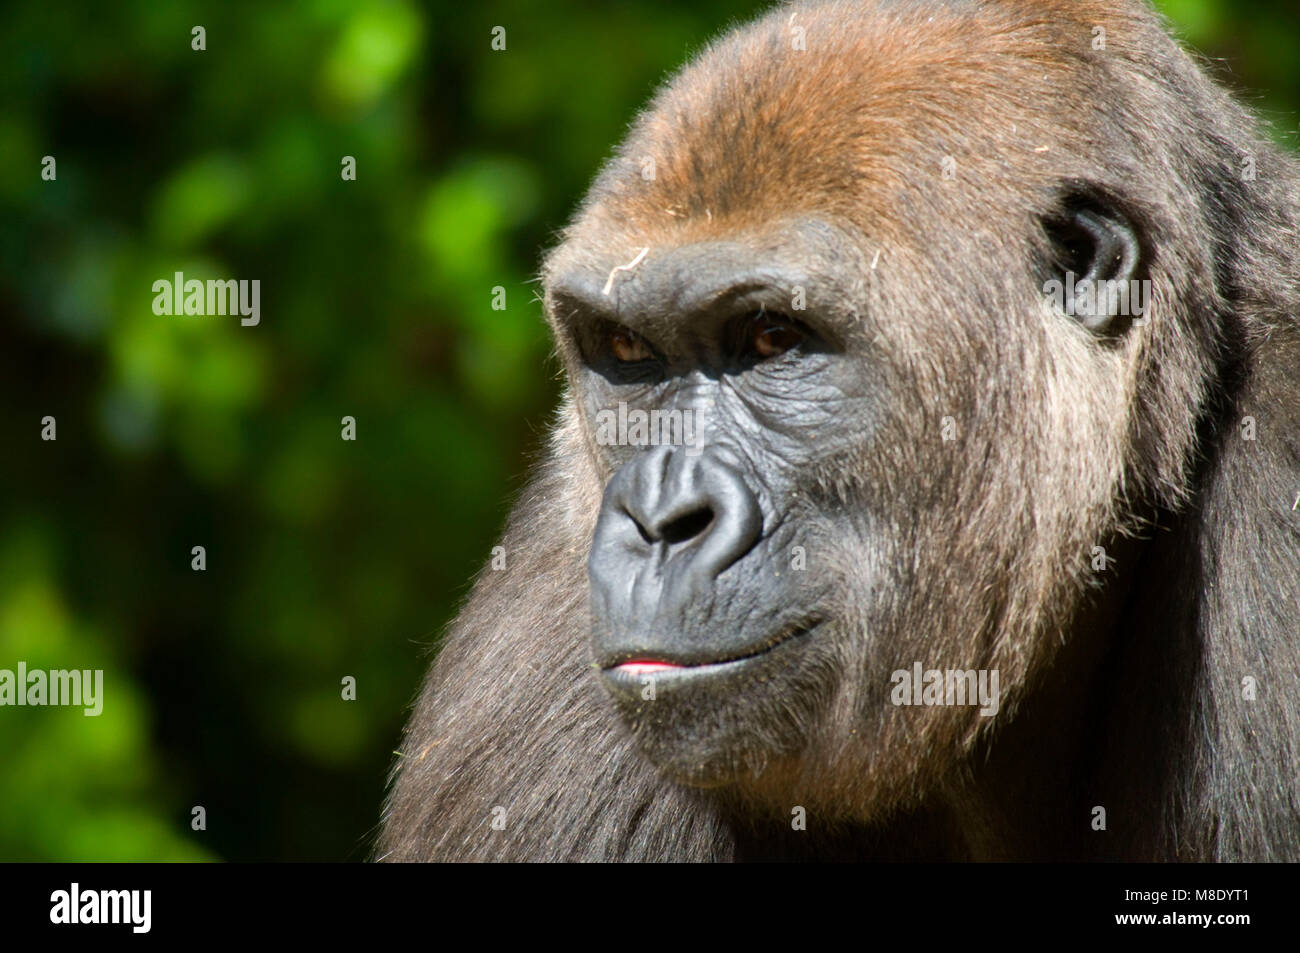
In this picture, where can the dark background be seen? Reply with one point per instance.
(325, 558)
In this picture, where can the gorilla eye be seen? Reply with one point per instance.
(769, 335)
(628, 347)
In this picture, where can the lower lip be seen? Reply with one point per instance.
(646, 668)
(640, 668)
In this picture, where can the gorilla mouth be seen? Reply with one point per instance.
(647, 664)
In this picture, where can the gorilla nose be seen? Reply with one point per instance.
(669, 525)
(696, 511)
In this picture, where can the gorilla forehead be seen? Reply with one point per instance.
(883, 92)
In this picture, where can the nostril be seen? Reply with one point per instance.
(687, 527)
(679, 529)
(640, 528)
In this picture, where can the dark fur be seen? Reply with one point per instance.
(1121, 689)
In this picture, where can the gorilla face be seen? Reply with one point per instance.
(707, 623)
(783, 515)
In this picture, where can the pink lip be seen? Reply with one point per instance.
(640, 667)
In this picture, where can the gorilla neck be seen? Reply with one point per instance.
(1032, 787)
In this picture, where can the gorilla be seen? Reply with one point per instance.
(966, 521)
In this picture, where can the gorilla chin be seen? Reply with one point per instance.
(696, 722)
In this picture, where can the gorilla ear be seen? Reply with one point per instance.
(1094, 241)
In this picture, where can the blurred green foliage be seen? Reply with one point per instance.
(325, 558)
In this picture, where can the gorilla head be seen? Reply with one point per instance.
(904, 453)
